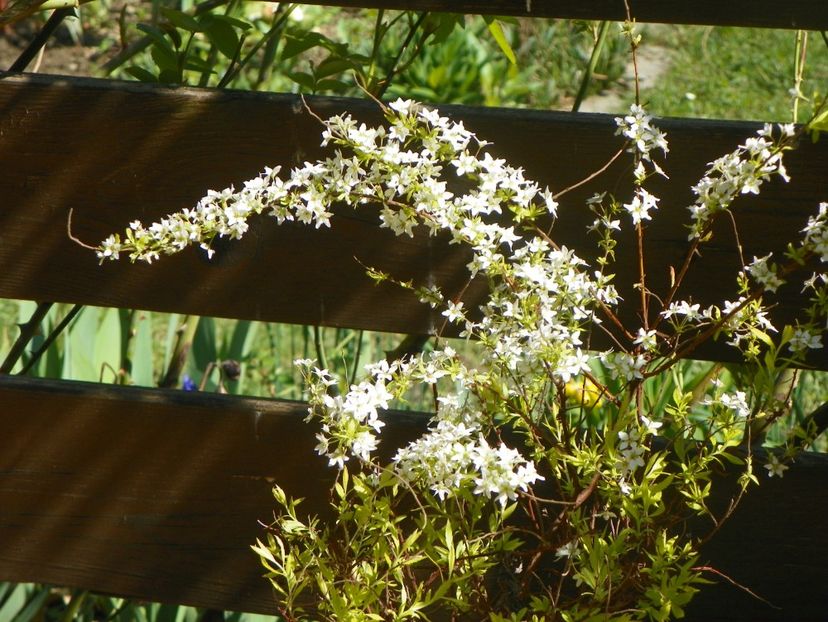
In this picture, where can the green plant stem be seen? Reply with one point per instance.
(593, 62)
(320, 347)
(75, 603)
(395, 68)
(27, 333)
(144, 42)
(57, 330)
(799, 69)
(39, 41)
(378, 35)
(272, 36)
(183, 342)
(357, 355)
(271, 39)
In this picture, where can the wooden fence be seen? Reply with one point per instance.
(157, 494)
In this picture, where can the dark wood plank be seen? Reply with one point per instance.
(804, 14)
(150, 494)
(119, 151)
(157, 495)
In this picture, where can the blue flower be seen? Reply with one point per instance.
(188, 384)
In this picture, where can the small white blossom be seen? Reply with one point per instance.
(764, 273)
(640, 206)
(775, 467)
(803, 339)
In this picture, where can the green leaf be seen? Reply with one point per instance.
(167, 61)
(107, 353)
(500, 37)
(223, 35)
(79, 361)
(181, 20)
(170, 76)
(14, 603)
(443, 24)
(820, 122)
(295, 45)
(332, 65)
(337, 86)
(305, 80)
(204, 349)
(157, 35)
(142, 350)
(239, 24)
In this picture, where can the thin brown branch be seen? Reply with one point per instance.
(72, 237)
(719, 573)
(590, 177)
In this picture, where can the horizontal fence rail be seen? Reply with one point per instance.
(114, 152)
(158, 495)
(801, 14)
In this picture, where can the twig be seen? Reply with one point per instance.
(645, 311)
(592, 176)
(736, 584)
(738, 241)
(72, 237)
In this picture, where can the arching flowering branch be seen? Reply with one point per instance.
(529, 500)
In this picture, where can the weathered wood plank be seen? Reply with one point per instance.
(157, 495)
(151, 494)
(804, 14)
(119, 151)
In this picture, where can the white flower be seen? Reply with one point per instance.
(764, 273)
(640, 206)
(567, 550)
(683, 308)
(775, 467)
(651, 426)
(644, 137)
(647, 339)
(454, 313)
(804, 339)
(737, 402)
(403, 106)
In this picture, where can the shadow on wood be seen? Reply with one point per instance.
(115, 152)
(158, 495)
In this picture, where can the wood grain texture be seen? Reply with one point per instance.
(804, 14)
(115, 152)
(158, 495)
(152, 494)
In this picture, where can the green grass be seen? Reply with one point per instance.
(733, 73)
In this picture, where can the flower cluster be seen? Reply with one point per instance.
(740, 172)
(643, 136)
(507, 419)
(454, 455)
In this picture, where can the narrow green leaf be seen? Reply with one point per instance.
(181, 20)
(14, 603)
(141, 74)
(332, 65)
(204, 349)
(223, 36)
(297, 43)
(305, 80)
(500, 37)
(107, 352)
(157, 35)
